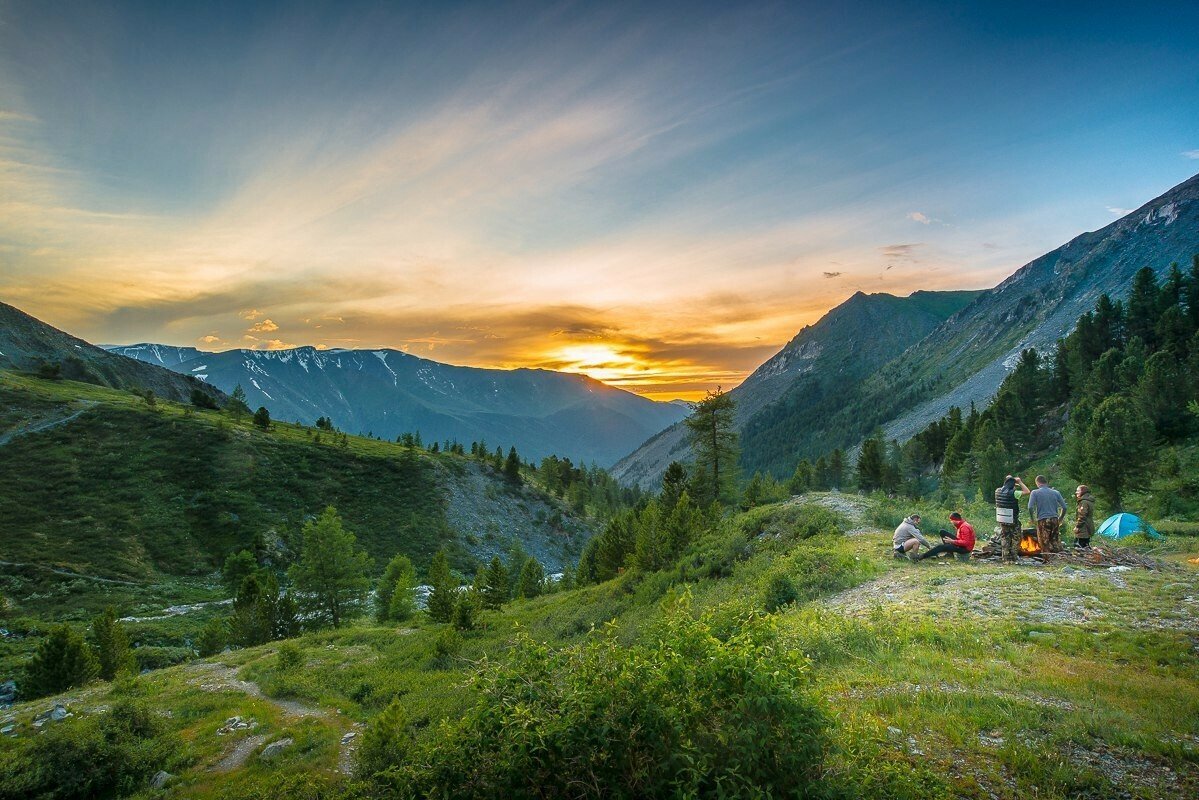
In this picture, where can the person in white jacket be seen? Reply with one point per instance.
(908, 539)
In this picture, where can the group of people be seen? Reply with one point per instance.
(1046, 507)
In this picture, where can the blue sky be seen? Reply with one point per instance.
(659, 195)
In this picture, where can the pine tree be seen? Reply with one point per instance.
(803, 477)
(262, 418)
(112, 645)
(495, 584)
(237, 567)
(872, 463)
(512, 466)
(399, 576)
(213, 637)
(1143, 307)
(836, 469)
(714, 445)
(532, 578)
(674, 483)
(237, 406)
(62, 660)
(466, 610)
(332, 570)
(443, 594)
(1117, 450)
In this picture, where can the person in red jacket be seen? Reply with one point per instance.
(962, 543)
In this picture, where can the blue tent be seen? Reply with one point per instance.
(1118, 526)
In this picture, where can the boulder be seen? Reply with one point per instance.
(275, 748)
(8, 692)
(160, 779)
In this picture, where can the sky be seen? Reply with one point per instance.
(658, 195)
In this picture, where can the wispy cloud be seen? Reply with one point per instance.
(1191, 154)
(917, 216)
(832, 274)
(1119, 212)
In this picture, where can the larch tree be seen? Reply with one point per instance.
(713, 442)
(332, 570)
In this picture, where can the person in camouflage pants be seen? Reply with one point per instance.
(1048, 508)
(1007, 506)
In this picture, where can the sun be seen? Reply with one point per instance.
(600, 361)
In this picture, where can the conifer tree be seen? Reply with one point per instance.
(213, 637)
(495, 584)
(444, 589)
(237, 567)
(262, 418)
(112, 645)
(512, 466)
(713, 442)
(872, 463)
(674, 483)
(1117, 449)
(398, 577)
(836, 469)
(332, 570)
(62, 660)
(237, 406)
(532, 578)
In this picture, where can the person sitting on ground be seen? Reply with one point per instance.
(908, 539)
(1047, 508)
(962, 543)
(1084, 519)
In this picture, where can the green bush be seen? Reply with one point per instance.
(111, 755)
(789, 521)
(160, 657)
(289, 657)
(447, 645)
(780, 591)
(692, 715)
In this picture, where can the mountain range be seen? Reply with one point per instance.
(839, 350)
(388, 392)
(876, 361)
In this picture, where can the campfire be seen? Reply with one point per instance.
(1029, 546)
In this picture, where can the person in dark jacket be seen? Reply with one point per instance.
(1084, 518)
(1007, 514)
(963, 543)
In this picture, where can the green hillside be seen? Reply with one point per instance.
(941, 680)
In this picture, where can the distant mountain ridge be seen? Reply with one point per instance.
(27, 343)
(787, 413)
(387, 392)
(848, 342)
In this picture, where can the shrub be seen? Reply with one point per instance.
(290, 656)
(213, 638)
(780, 591)
(110, 755)
(447, 645)
(202, 399)
(691, 715)
(62, 660)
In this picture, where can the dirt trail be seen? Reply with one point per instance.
(46, 425)
(215, 677)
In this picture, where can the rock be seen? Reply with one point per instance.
(275, 748)
(8, 692)
(346, 739)
(59, 713)
(9, 730)
(1121, 568)
(891, 729)
(160, 779)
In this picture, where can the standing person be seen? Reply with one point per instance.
(962, 543)
(1084, 518)
(907, 538)
(1007, 514)
(1048, 508)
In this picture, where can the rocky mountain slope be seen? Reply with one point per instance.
(27, 343)
(961, 359)
(388, 392)
(843, 347)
